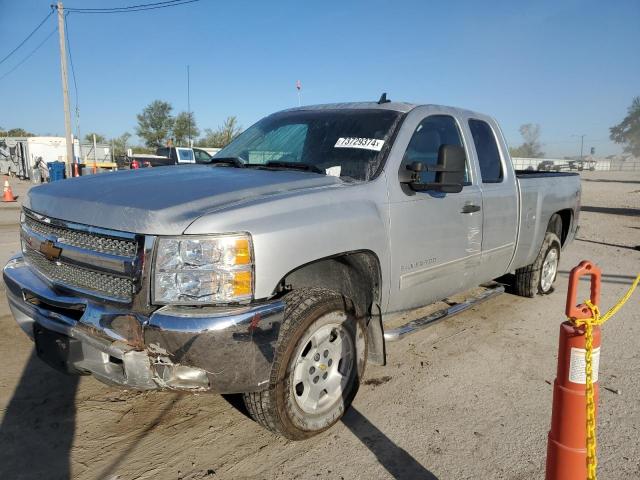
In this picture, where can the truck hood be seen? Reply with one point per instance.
(163, 200)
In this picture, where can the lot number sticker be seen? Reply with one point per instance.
(359, 142)
(578, 363)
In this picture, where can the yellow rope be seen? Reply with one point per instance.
(589, 323)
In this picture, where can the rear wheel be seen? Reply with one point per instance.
(540, 275)
(319, 361)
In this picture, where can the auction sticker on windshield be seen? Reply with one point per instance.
(359, 142)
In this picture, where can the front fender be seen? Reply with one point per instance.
(296, 228)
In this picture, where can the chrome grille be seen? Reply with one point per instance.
(90, 260)
(88, 240)
(99, 283)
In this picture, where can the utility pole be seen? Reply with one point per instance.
(65, 85)
(189, 106)
(581, 144)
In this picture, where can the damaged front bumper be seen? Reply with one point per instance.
(217, 349)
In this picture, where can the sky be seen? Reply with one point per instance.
(573, 67)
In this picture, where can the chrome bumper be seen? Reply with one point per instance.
(217, 349)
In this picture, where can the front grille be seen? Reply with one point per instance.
(88, 267)
(77, 238)
(73, 276)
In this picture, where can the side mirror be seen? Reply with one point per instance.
(453, 160)
(450, 171)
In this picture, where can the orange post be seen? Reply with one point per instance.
(567, 441)
(76, 172)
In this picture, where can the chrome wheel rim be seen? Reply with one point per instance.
(322, 366)
(549, 269)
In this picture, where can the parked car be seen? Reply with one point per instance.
(548, 166)
(210, 150)
(271, 272)
(201, 155)
(165, 156)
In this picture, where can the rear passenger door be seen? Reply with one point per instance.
(499, 199)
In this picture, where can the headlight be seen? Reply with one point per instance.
(195, 270)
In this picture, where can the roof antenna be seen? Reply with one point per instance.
(383, 99)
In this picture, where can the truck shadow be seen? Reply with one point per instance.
(609, 181)
(616, 245)
(396, 460)
(38, 426)
(626, 212)
(109, 470)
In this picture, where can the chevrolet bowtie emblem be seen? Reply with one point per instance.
(50, 251)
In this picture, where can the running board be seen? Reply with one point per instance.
(416, 325)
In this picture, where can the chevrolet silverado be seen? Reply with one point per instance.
(271, 272)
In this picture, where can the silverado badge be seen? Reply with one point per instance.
(50, 251)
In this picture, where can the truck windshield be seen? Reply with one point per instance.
(351, 144)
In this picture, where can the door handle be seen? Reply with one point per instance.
(470, 208)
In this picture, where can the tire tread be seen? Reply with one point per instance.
(527, 278)
(261, 404)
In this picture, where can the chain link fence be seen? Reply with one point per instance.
(589, 164)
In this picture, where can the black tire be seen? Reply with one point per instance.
(276, 407)
(528, 279)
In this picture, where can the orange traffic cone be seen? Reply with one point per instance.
(7, 195)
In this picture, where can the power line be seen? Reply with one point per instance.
(133, 8)
(27, 38)
(32, 53)
(128, 7)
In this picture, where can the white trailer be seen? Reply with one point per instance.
(26, 157)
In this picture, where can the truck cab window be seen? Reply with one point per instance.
(201, 156)
(487, 150)
(185, 154)
(433, 131)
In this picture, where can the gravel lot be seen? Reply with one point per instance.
(469, 397)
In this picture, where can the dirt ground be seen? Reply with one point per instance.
(469, 397)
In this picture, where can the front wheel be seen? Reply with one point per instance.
(319, 360)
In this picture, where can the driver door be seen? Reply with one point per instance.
(435, 237)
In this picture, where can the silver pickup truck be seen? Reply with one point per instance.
(271, 272)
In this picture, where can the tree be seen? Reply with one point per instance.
(223, 135)
(120, 144)
(155, 123)
(15, 132)
(185, 129)
(531, 148)
(88, 138)
(627, 132)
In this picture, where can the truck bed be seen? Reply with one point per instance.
(541, 195)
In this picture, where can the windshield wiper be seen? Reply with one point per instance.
(230, 161)
(293, 166)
